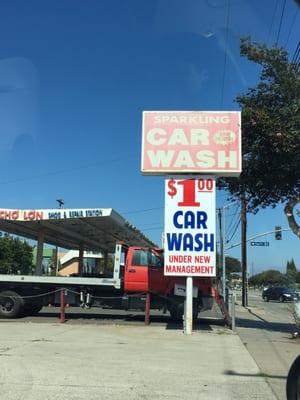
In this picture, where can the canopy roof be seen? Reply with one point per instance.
(94, 228)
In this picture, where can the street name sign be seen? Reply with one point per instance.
(260, 244)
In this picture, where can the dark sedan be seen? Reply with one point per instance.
(279, 293)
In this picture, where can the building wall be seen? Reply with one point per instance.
(72, 266)
(69, 269)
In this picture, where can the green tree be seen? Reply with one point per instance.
(232, 265)
(269, 277)
(15, 256)
(291, 270)
(270, 134)
(297, 278)
(293, 265)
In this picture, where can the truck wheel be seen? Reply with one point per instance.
(176, 312)
(32, 308)
(11, 304)
(195, 314)
(36, 308)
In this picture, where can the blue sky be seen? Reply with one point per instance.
(75, 77)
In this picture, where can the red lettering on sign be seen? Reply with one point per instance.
(9, 214)
(15, 215)
(184, 259)
(188, 194)
(33, 215)
(189, 269)
(202, 259)
(39, 215)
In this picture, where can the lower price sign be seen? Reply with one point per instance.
(190, 225)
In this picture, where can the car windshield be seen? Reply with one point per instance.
(287, 290)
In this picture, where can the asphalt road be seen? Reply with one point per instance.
(266, 330)
(274, 310)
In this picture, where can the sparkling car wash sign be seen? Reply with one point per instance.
(190, 237)
(179, 142)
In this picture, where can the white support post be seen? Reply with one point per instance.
(56, 261)
(39, 253)
(188, 317)
(80, 260)
(117, 261)
(105, 259)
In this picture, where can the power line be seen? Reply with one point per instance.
(297, 57)
(160, 228)
(232, 215)
(141, 211)
(225, 56)
(296, 50)
(233, 221)
(61, 171)
(151, 225)
(291, 27)
(229, 231)
(280, 23)
(235, 229)
(296, 53)
(272, 20)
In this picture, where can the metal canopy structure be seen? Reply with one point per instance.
(91, 229)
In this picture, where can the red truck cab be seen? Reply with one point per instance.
(144, 272)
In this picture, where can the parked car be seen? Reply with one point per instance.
(279, 293)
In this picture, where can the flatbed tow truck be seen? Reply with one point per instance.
(137, 266)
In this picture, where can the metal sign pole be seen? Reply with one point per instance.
(188, 317)
(223, 255)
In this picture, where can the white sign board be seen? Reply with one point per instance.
(190, 226)
(177, 142)
(49, 214)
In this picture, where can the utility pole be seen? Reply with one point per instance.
(222, 226)
(222, 249)
(223, 252)
(244, 250)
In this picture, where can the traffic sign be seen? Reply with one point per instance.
(260, 244)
